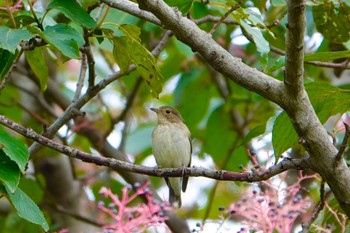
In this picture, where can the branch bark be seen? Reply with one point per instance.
(290, 95)
(202, 42)
(305, 121)
(258, 175)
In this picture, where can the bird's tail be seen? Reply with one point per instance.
(174, 185)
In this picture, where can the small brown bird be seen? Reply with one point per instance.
(172, 148)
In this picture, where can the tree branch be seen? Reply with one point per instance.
(302, 114)
(233, 8)
(257, 175)
(294, 74)
(319, 207)
(132, 9)
(74, 107)
(202, 42)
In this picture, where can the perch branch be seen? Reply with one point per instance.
(258, 175)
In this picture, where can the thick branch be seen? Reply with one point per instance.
(295, 45)
(258, 175)
(302, 115)
(202, 42)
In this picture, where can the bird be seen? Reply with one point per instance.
(172, 148)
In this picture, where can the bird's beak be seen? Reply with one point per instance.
(155, 109)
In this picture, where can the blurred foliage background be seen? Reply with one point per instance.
(54, 48)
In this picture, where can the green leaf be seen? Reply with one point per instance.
(328, 100)
(283, 135)
(16, 150)
(11, 38)
(187, 89)
(73, 11)
(121, 54)
(332, 21)
(32, 188)
(26, 208)
(238, 158)
(183, 5)
(128, 50)
(6, 60)
(277, 64)
(24, 18)
(327, 56)
(131, 30)
(219, 135)
(255, 34)
(37, 63)
(63, 37)
(9, 172)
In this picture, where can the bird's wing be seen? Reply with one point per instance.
(185, 179)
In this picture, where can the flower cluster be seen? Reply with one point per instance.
(136, 218)
(274, 209)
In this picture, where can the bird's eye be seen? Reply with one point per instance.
(168, 111)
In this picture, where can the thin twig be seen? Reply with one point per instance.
(80, 83)
(343, 65)
(278, 20)
(214, 19)
(344, 143)
(306, 226)
(9, 12)
(35, 16)
(90, 59)
(233, 8)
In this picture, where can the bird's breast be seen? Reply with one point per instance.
(171, 145)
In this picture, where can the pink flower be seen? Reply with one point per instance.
(133, 218)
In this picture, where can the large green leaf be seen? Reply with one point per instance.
(121, 55)
(327, 101)
(37, 63)
(25, 207)
(283, 135)
(128, 50)
(6, 60)
(194, 86)
(9, 172)
(16, 150)
(10, 38)
(73, 11)
(219, 135)
(261, 43)
(63, 37)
